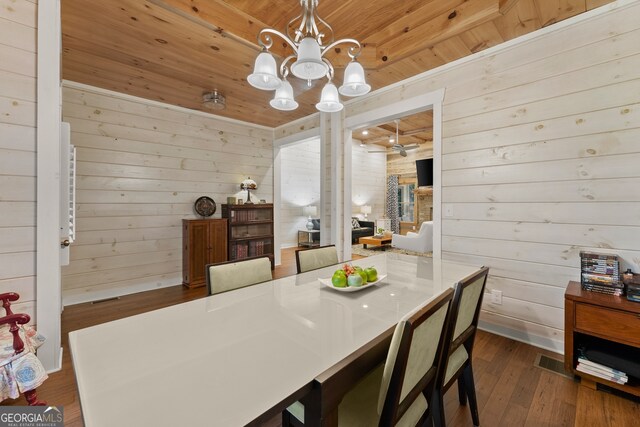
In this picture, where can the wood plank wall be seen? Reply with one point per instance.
(540, 160)
(300, 187)
(368, 180)
(140, 168)
(18, 30)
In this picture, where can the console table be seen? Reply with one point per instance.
(608, 317)
(305, 238)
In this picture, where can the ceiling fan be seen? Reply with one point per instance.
(397, 147)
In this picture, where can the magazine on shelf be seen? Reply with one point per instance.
(591, 371)
(601, 367)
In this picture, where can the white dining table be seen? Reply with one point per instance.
(229, 359)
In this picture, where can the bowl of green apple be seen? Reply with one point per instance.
(351, 278)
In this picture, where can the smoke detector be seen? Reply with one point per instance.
(214, 100)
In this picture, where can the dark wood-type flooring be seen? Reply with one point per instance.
(511, 391)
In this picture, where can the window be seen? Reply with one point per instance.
(406, 202)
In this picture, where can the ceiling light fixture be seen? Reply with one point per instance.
(365, 132)
(309, 47)
(214, 100)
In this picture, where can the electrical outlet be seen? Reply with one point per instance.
(496, 297)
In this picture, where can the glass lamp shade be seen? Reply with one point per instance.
(248, 184)
(265, 74)
(330, 100)
(309, 65)
(283, 100)
(354, 81)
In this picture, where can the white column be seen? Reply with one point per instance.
(48, 283)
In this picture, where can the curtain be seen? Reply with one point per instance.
(392, 203)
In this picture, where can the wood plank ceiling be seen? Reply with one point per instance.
(175, 50)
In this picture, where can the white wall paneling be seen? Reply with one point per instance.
(368, 180)
(140, 167)
(540, 154)
(300, 187)
(18, 86)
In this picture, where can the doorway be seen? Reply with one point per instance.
(427, 102)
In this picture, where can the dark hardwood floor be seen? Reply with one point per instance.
(511, 391)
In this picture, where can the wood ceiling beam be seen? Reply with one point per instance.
(506, 5)
(416, 131)
(463, 17)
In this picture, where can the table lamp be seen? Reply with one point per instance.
(248, 184)
(309, 211)
(365, 209)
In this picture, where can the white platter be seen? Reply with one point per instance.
(327, 283)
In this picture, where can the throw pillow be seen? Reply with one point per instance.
(355, 223)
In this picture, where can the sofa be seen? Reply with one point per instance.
(366, 228)
(422, 241)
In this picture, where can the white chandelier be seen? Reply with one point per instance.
(309, 47)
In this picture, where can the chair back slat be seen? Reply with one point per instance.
(315, 258)
(227, 276)
(415, 351)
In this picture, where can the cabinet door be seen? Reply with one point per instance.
(199, 252)
(218, 241)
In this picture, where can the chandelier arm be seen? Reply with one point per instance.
(300, 32)
(353, 52)
(331, 71)
(290, 24)
(284, 69)
(269, 41)
(332, 37)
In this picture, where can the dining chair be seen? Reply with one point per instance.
(230, 275)
(315, 258)
(396, 392)
(457, 356)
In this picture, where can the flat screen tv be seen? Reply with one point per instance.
(424, 170)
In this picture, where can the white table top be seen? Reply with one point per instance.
(226, 359)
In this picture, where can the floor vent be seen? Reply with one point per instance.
(550, 364)
(105, 300)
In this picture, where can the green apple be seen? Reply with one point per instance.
(355, 280)
(363, 275)
(339, 279)
(358, 268)
(372, 274)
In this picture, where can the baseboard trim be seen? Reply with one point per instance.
(79, 296)
(534, 340)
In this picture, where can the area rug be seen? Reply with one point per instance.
(359, 250)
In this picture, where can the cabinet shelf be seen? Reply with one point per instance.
(236, 223)
(609, 318)
(255, 223)
(244, 239)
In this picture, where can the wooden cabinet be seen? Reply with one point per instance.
(204, 241)
(250, 231)
(608, 317)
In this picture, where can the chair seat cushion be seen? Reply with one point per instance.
(31, 338)
(20, 373)
(359, 406)
(456, 360)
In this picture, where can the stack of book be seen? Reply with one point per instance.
(601, 371)
(601, 273)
